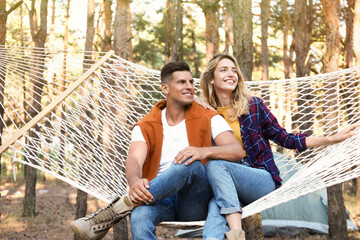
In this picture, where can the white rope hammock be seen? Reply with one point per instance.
(82, 133)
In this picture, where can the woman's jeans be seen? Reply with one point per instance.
(234, 185)
(181, 193)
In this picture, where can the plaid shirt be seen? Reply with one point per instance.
(260, 126)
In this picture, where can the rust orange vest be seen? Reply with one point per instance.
(198, 128)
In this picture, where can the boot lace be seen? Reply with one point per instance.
(106, 214)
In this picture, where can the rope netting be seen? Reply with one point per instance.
(78, 128)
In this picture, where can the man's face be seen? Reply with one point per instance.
(181, 88)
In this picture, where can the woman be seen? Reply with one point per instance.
(236, 184)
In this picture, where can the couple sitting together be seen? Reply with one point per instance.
(187, 162)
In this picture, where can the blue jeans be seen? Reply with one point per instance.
(234, 185)
(181, 193)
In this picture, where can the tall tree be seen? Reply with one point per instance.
(106, 23)
(212, 38)
(62, 86)
(195, 54)
(302, 34)
(169, 25)
(177, 49)
(3, 19)
(123, 48)
(356, 41)
(229, 34)
(349, 40)
(81, 197)
(265, 14)
(122, 30)
(240, 12)
(356, 36)
(336, 209)
(286, 51)
(39, 34)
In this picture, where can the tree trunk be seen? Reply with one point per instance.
(81, 199)
(107, 19)
(286, 51)
(243, 33)
(229, 34)
(253, 227)
(349, 43)
(212, 38)
(265, 14)
(336, 208)
(39, 37)
(3, 19)
(243, 52)
(122, 42)
(302, 34)
(62, 86)
(349, 62)
(356, 35)
(169, 17)
(177, 50)
(356, 40)
(52, 26)
(122, 39)
(195, 55)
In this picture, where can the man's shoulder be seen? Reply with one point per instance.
(197, 111)
(154, 115)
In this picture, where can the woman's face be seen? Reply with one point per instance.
(225, 76)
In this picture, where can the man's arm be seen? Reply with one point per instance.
(227, 148)
(139, 186)
(340, 136)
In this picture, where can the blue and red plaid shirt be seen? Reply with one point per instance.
(260, 126)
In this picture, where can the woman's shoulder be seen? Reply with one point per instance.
(255, 101)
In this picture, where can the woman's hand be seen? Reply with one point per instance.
(203, 103)
(345, 133)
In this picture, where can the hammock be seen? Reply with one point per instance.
(90, 101)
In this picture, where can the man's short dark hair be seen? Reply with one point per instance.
(168, 69)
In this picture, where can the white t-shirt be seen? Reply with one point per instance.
(175, 138)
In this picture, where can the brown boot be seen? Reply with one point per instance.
(235, 234)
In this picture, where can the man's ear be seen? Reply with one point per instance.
(165, 88)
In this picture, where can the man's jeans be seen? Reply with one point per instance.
(234, 185)
(181, 193)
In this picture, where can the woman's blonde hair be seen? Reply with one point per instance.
(239, 97)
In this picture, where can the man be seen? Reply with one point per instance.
(165, 166)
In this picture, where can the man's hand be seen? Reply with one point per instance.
(139, 193)
(194, 153)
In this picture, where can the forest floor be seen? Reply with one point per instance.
(55, 208)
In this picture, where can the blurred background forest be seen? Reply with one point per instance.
(270, 39)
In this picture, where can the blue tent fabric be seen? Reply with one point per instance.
(309, 211)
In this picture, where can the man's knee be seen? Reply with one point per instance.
(214, 167)
(195, 167)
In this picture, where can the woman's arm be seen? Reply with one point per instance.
(340, 136)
